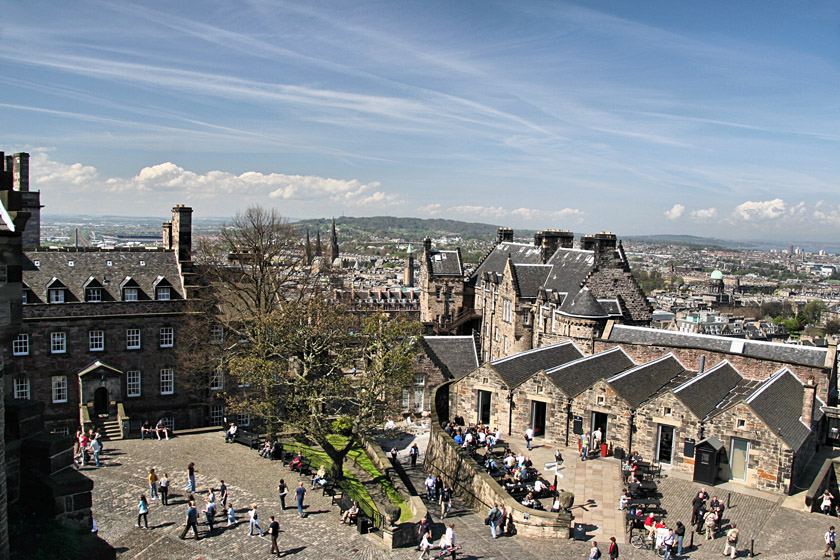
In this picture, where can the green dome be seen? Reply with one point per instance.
(717, 275)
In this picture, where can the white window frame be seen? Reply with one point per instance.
(506, 344)
(20, 345)
(167, 381)
(243, 419)
(167, 337)
(131, 294)
(217, 379)
(56, 295)
(420, 379)
(96, 341)
(133, 339)
(133, 383)
(217, 334)
(217, 414)
(58, 343)
(163, 293)
(93, 295)
(21, 387)
(59, 388)
(419, 397)
(406, 398)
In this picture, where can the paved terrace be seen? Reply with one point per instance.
(779, 532)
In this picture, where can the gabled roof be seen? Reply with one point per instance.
(446, 263)
(515, 370)
(95, 366)
(456, 356)
(703, 393)
(778, 402)
(530, 278)
(787, 353)
(584, 305)
(571, 267)
(611, 306)
(574, 377)
(496, 259)
(638, 384)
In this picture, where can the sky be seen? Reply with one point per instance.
(712, 118)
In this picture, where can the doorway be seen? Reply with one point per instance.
(665, 444)
(538, 418)
(599, 420)
(100, 401)
(484, 406)
(739, 452)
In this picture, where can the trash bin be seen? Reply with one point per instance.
(603, 450)
(580, 532)
(362, 524)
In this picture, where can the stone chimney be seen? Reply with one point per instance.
(808, 401)
(600, 243)
(505, 234)
(408, 275)
(20, 169)
(550, 240)
(167, 235)
(182, 232)
(427, 245)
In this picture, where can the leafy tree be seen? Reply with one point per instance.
(297, 359)
(813, 311)
(831, 327)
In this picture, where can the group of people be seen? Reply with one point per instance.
(84, 443)
(589, 442)
(425, 540)
(160, 429)
(436, 490)
(473, 436)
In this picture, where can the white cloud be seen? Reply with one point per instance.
(46, 173)
(758, 211)
(675, 212)
(704, 214)
(431, 209)
(826, 213)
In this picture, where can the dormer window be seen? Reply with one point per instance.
(55, 291)
(130, 294)
(129, 289)
(93, 295)
(162, 293)
(57, 296)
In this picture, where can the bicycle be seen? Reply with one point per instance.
(640, 541)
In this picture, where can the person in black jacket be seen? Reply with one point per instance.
(696, 506)
(680, 533)
(613, 552)
(274, 531)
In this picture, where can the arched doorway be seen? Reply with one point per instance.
(100, 401)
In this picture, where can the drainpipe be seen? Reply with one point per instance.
(632, 426)
(568, 419)
(510, 413)
(790, 480)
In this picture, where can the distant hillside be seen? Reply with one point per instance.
(410, 229)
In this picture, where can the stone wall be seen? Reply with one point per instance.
(539, 388)
(652, 414)
(602, 398)
(423, 364)
(478, 490)
(465, 397)
(751, 368)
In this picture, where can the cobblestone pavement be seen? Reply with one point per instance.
(782, 533)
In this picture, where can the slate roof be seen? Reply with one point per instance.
(531, 277)
(787, 353)
(456, 356)
(778, 402)
(583, 304)
(571, 267)
(705, 392)
(143, 267)
(639, 384)
(611, 306)
(515, 370)
(446, 263)
(574, 377)
(496, 259)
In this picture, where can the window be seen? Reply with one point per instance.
(168, 422)
(600, 400)
(740, 423)
(418, 399)
(243, 419)
(167, 381)
(540, 389)
(130, 294)
(25, 296)
(506, 344)
(59, 388)
(485, 381)
(96, 341)
(217, 334)
(93, 295)
(56, 296)
(162, 293)
(507, 310)
(4, 274)
(20, 345)
(132, 383)
(450, 293)
(439, 293)
(61, 430)
(58, 343)
(132, 339)
(167, 337)
(420, 379)
(496, 333)
(666, 411)
(217, 379)
(217, 414)
(21, 388)
(406, 399)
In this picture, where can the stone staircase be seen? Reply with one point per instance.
(111, 430)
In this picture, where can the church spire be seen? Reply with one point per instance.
(318, 251)
(333, 243)
(308, 249)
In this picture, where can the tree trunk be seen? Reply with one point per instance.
(336, 456)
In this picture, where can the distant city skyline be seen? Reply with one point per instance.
(715, 119)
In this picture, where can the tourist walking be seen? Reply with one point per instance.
(274, 532)
(231, 515)
(430, 487)
(680, 533)
(425, 546)
(153, 480)
(826, 500)
(584, 446)
(210, 512)
(493, 518)
(613, 551)
(594, 551)
(191, 522)
(413, 452)
(223, 495)
(731, 541)
(447, 543)
(830, 542)
(423, 529)
(529, 436)
(164, 489)
(445, 501)
(668, 543)
(96, 447)
(254, 520)
(191, 478)
(143, 511)
(300, 492)
(282, 492)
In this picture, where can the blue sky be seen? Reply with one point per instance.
(707, 118)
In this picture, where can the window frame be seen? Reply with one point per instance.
(93, 295)
(243, 419)
(20, 345)
(56, 338)
(167, 379)
(134, 291)
(59, 386)
(129, 335)
(217, 414)
(96, 340)
(131, 383)
(22, 388)
(55, 295)
(217, 379)
(167, 333)
(160, 291)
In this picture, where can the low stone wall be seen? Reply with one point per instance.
(826, 479)
(478, 490)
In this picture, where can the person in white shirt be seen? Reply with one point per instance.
(539, 486)
(529, 435)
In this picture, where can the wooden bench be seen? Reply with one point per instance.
(305, 467)
(249, 439)
(330, 489)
